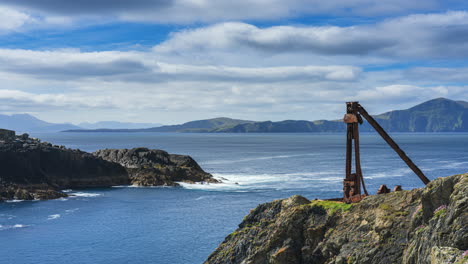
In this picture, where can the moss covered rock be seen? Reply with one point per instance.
(400, 227)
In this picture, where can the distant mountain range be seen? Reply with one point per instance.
(437, 115)
(116, 125)
(209, 125)
(29, 123)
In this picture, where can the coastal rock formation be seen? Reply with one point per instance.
(32, 169)
(428, 225)
(149, 167)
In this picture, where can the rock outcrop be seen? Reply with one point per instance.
(428, 225)
(149, 167)
(31, 169)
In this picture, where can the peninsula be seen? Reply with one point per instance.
(32, 169)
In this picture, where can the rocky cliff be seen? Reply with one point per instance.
(149, 167)
(31, 169)
(428, 225)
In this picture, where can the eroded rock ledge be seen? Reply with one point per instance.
(149, 167)
(428, 225)
(31, 169)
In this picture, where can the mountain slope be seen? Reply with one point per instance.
(116, 125)
(437, 115)
(29, 123)
(286, 126)
(207, 125)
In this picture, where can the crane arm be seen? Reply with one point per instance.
(392, 144)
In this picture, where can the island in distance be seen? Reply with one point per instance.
(35, 170)
(437, 115)
(29, 123)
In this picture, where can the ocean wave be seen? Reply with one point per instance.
(14, 201)
(5, 227)
(139, 186)
(252, 182)
(84, 194)
(54, 216)
(257, 158)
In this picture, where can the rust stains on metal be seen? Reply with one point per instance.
(354, 182)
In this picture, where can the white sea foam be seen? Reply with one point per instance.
(54, 216)
(202, 197)
(139, 186)
(67, 190)
(248, 182)
(72, 210)
(257, 158)
(5, 227)
(84, 194)
(14, 201)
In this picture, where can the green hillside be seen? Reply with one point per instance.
(437, 115)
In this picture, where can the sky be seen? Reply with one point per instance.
(172, 61)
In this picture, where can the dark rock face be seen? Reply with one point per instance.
(149, 167)
(31, 169)
(428, 225)
(35, 170)
(7, 135)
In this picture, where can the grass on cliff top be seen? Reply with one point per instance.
(331, 206)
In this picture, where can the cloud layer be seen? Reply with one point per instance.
(187, 11)
(236, 69)
(434, 36)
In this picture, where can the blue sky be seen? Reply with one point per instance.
(171, 61)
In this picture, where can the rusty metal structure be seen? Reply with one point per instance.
(354, 187)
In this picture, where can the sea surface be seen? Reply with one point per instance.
(170, 225)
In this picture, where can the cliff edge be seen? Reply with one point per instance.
(428, 225)
(35, 170)
(149, 167)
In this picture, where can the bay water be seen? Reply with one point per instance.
(172, 225)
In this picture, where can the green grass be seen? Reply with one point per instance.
(385, 207)
(331, 206)
(440, 213)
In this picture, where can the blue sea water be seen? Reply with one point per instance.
(183, 225)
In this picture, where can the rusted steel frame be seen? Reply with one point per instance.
(393, 144)
(349, 149)
(357, 158)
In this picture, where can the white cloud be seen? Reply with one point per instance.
(241, 70)
(11, 19)
(189, 11)
(142, 67)
(415, 36)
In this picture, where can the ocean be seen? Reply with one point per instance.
(177, 225)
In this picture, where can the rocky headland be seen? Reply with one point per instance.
(427, 225)
(150, 167)
(32, 169)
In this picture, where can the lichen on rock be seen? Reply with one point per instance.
(399, 227)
